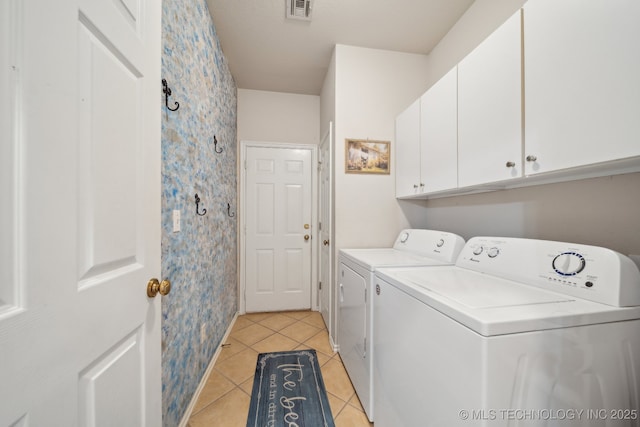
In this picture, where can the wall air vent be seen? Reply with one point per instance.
(299, 9)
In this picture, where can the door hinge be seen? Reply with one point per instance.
(319, 286)
(364, 350)
(365, 297)
(319, 226)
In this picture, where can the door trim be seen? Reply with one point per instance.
(327, 223)
(242, 178)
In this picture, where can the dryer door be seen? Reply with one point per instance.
(351, 313)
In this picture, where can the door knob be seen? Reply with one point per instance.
(325, 242)
(306, 237)
(154, 286)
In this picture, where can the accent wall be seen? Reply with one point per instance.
(200, 259)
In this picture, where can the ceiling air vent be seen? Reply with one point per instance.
(299, 9)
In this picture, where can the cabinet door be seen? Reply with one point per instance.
(490, 108)
(408, 151)
(439, 134)
(582, 84)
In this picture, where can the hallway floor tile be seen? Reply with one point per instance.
(224, 401)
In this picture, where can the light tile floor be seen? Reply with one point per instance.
(224, 401)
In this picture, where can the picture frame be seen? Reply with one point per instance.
(365, 156)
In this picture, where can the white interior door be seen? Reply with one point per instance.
(278, 232)
(325, 228)
(80, 218)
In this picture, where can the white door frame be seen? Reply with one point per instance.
(327, 227)
(242, 172)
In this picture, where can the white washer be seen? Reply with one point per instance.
(413, 247)
(517, 333)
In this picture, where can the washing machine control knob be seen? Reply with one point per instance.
(569, 263)
(440, 243)
(493, 252)
(478, 250)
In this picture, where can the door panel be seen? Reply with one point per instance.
(490, 108)
(408, 168)
(80, 339)
(278, 258)
(352, 314)
(294, 212)
(580, 111)
(121, 364)
(107, 226)
(265, 271)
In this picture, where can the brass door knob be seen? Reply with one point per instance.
(306, 237)
(154, 286)
(325, 242)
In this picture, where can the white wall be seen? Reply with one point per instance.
(278, 117)
(477, 23)
(600, 211)
(371, 88)
(328, 97)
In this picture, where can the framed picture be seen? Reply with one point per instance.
(366, 156)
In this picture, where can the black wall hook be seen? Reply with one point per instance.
(167, 93)
(229, 211)
(204, 211)
(215, 145)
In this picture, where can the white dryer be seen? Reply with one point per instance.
(413, 247)
(518, 333)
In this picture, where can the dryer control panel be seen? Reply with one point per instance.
(588, 272)
(439, 245)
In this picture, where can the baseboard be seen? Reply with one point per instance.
(185, 418)
(336, 347)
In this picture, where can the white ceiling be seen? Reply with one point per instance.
(265, 51)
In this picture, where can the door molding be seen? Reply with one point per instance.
(327, 232)
(242, 172)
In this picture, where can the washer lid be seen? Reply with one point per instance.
(372, 258)
(483, 292)
(491, 305)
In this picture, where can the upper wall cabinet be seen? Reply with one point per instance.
(573, 112)
(582, 82)
(439, 134)
(490, 108)
(407, 152)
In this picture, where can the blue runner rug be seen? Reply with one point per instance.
(288, 391)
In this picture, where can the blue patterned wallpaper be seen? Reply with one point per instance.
(200, 260)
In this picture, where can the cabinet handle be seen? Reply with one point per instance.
(531, 158)
(511, 164)
(415, 185)
(421, 185)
